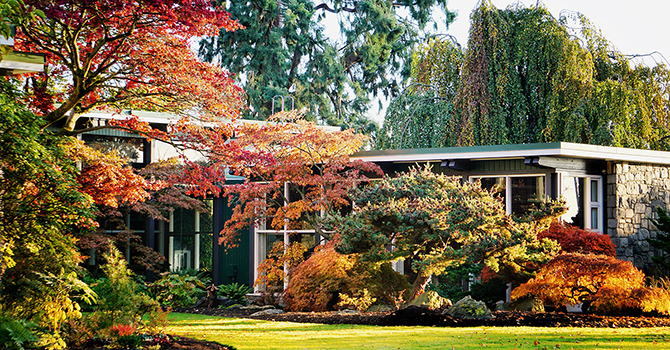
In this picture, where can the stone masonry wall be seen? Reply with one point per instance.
(632, 194)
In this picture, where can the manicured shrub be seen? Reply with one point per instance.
(573, 239)
(315, 284)
(602, 283)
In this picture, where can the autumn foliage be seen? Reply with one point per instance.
(602, 283)
(289, 150)
(316, 283)
(125, 53)
(576, 240)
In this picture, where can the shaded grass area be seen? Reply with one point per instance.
(256, 334)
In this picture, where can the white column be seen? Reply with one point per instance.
(196, 242)
(171, 241)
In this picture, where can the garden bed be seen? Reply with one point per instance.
(414, 316)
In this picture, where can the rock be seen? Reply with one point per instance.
(267, 307)
(468, 308)
(380, 308)
(502, 306)
(528, 304)
(348, 312)
(199, 302)
(430, 300)
(225, 302)
(251, 307)
(267, 312)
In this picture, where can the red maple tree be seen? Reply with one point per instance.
(125, 53)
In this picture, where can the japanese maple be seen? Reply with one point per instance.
(125, 53)
(602, 283)
(289, 150)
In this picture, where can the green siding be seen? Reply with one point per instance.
(234, 263)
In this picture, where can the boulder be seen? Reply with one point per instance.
(528, 303)
(430, 300)
(348, 312)
(252, 307)
(268, 312)
(381, 308)
(225, 302)
(468, 308)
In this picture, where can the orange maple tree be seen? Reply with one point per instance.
(602, 283)
(290, 152)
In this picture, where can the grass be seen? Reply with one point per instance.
(254, 334)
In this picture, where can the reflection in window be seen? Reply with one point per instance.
(498, 182)
(526, 191)
(523, 191)
(583, 198)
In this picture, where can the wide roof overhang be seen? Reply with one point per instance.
(517, 151)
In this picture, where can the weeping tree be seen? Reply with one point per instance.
(331, 72)
(421, 115)
(438, 223)
(529, 77)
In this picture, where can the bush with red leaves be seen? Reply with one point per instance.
(576, 240)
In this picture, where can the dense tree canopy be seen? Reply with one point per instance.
(286, 49)
(290, 152)
(123, 53)
(529, 77)
(41, 210)
(439, 222)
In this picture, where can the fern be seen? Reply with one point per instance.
(15, 334)
(235, 291)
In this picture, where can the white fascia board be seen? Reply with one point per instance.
(21, 66)
(562, 149)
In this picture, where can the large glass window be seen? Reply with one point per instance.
(519, 193)
(190, 239)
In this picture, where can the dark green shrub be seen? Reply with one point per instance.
(235, 291)
(16, 334)
(177, 290)
(450, 284)
(662, 241)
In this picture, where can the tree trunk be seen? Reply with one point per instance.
(419, 284)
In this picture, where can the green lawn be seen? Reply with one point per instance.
(253, 334)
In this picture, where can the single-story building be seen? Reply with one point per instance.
(609, 189)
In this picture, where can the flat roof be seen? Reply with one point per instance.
(17, 62)
(169, 118)
(555, 149)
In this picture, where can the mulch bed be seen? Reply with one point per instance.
(180, 343)
(415, 316)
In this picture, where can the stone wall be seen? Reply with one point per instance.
(633, 191)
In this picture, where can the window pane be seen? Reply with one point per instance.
(572, 193)
(594, 191)
(499, 182)
(594, 219)
(526, 191)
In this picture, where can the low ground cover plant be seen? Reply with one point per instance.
(235, 291)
